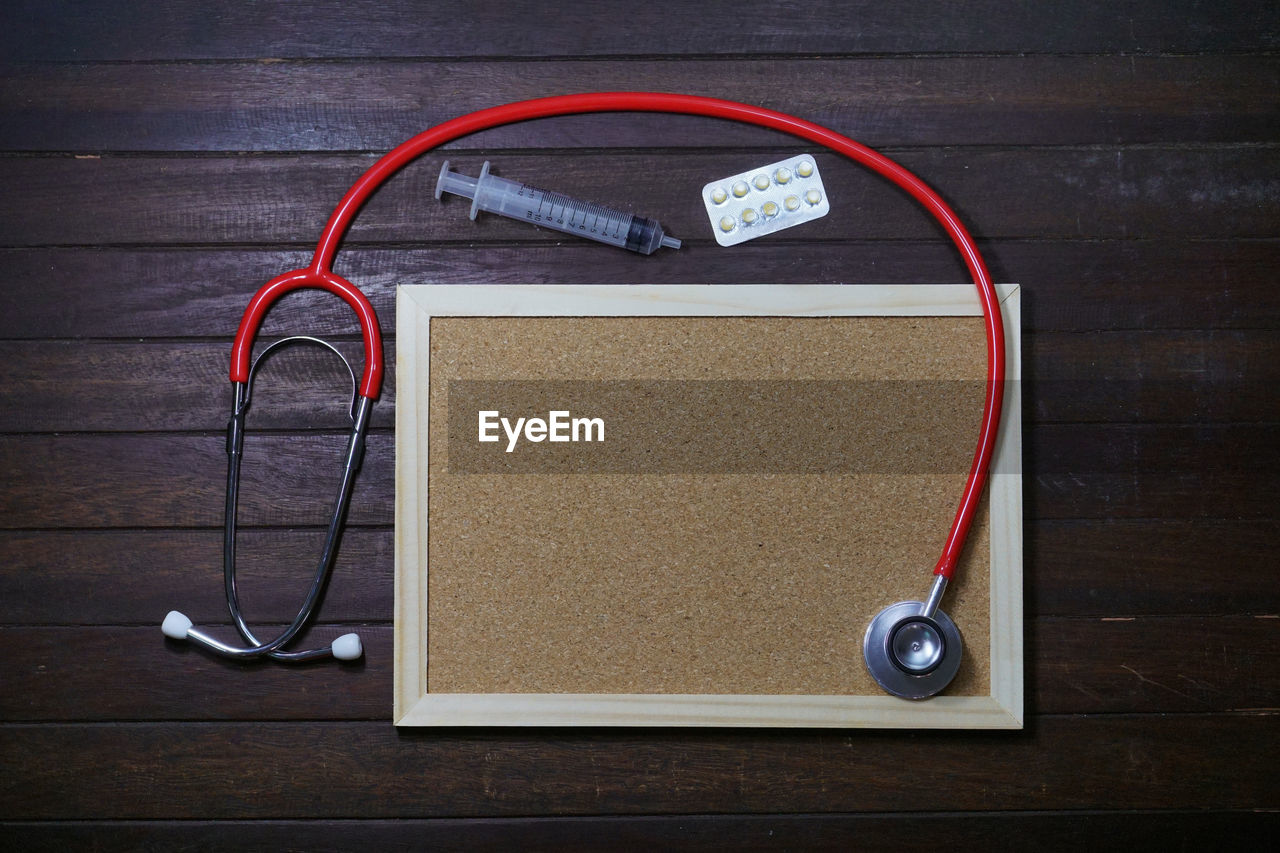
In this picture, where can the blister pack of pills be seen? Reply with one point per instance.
(766, 199)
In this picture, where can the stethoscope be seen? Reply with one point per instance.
(347, 647)
(912, 648)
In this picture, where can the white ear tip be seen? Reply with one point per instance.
(176, 626)
(347, 647)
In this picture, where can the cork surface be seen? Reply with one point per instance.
(735, 578)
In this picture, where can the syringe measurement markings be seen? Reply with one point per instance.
(571, 209)
(542, 208)
(555, 210)
(562, 210)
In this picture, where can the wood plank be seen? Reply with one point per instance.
(1118, 567)
(136, 576)
(1122, 377)
(1170, 664)
(1068, 285)
(1201, 192)
(1074, 568)
(1166, 664)
(1104, 471)
(314, 769)
(882, 101)
(80, 31)
(915, 831)
(1141, 471)
(76, 386)
(1167, 377)
(58, 665)
(178, 480)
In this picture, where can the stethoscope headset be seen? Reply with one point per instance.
(912, 648)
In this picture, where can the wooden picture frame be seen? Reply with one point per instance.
(415, 705)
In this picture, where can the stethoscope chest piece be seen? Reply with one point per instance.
(909, 654)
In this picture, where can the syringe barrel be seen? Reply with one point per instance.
(559, 211)
(499, 195)
(554, 210)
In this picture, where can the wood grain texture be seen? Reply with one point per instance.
(1077, 286)
(1007, 100)
(136, 576)
(177, 480)
(313, 769)
(1116, 159)
(1099, 471)
(1122, 567)
(1098, 192)
(74, 386)
(45, 569)
(80, 30)
(1155, 664)
(1072, 569)
(1012, 832)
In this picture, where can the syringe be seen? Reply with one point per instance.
(554, 210)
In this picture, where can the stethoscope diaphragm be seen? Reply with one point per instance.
(910, 654)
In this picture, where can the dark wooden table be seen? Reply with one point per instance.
(161, 161)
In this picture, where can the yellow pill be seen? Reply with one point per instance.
(749, 216)
(791, 202)
(719, 196)
(740, 189)
(782, 176)
(761, 182)
(726, 224)
(804, 169)
(813, 196)
(769, 208)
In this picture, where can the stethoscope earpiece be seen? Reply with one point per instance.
(177, 626)
(912, 648)
(347, 647)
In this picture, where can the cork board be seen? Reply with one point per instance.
(741, 477)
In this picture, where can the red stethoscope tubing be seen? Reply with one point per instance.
(371, 378)
(319, 273)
